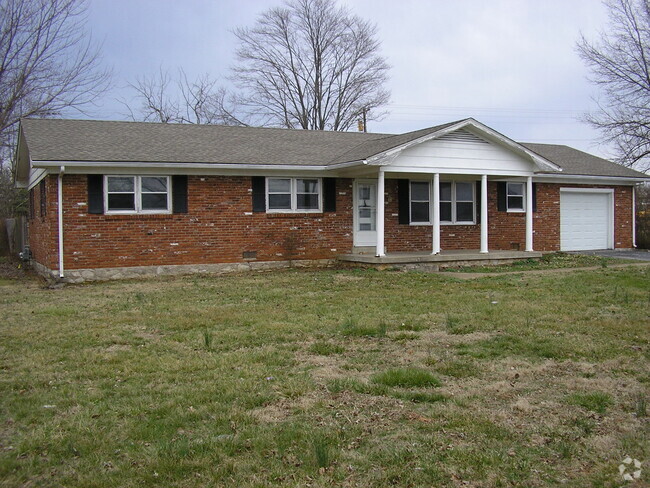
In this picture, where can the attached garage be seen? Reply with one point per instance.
(586, 219)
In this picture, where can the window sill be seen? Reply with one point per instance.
(421, 224)
(292, 215)
(516, 211)
(137, 216)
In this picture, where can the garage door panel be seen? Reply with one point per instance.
(585, 221)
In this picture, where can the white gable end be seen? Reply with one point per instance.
(462, 152)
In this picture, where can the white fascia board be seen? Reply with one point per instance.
(448, 171)
(35, 178)
(388, 156)
(207, 169)
(589, 180)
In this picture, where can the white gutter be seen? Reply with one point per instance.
(181, 166)
(60, 209)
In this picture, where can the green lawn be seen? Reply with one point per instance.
(326, 378)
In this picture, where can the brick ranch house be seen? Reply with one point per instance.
(117, 199)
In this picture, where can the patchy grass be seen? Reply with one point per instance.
(406, 378)
(326, 348)
(547, 261)
(595, 401)
(363, 378)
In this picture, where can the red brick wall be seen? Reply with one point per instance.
(220, 226)
(506, 231)
(43, 232)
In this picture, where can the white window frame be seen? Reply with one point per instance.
(454, 201)
(430, 200)
(294, 195)
(523, 197)
(138, 196)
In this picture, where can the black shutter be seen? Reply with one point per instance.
(96, 194)
(258, 184)
(403, 202)
(478, 202)
(501, 196)
(534, 197)
(179, 194)
(43, 192)
(329, 194)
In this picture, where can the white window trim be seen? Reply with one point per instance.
(523, 196)
(294, 195)
(138, 196)
(424, 222)
(453, 220)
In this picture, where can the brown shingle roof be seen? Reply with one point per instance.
(108, 141)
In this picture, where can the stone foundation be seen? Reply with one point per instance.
(106, 274)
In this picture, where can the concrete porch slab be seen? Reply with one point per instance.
(448, 258)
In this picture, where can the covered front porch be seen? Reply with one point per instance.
(466, 189)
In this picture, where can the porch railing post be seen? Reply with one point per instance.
(436, 214)
(380, 251)
(529, 214)
(484, 214)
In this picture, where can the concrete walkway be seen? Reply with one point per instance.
(638, 254)
(470, 276)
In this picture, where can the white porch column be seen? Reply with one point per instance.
(529, 214)
(380, 214)
(435, 248)
(484, 214)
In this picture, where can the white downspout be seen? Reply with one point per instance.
(634, 216)
(380, 249)
(529, 214)
(60, 208)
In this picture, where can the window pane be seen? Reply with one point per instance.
(420, 190)
(364, 212)
(464, 212)
(420, 212)
(365, 227)
(464, 192)
(280, 202)
(445, 211)
(154, 201)
(154, 184)
(121, 183)
(515, 203)
(121, 201)
(445, 192)
(307, 201)
(364, 192)
(277, 185)
(307, 186)
(516, 189)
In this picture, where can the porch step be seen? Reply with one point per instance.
(449, 258)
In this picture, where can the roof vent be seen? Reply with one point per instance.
(462, 136)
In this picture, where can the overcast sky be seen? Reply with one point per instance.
(510, 64)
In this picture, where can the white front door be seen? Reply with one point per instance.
(365, 213)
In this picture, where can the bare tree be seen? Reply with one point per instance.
(181, 101)
(311, 65)
(47, 63)
(620, 64)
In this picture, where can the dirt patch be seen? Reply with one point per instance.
(12, 269)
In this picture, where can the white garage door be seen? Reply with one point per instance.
(585, 220)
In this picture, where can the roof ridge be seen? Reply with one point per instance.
(225, 126)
